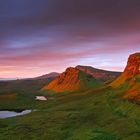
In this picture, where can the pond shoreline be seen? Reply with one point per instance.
(13, 113)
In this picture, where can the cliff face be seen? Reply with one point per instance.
(72, 80)
(133, 65)
(130, 78)
(131, 72)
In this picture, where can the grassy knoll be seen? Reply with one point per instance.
(92, 115)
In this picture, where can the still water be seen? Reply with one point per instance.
(7, 114)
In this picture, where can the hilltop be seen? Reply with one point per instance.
(72, 79)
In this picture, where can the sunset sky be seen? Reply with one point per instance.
(42, 36)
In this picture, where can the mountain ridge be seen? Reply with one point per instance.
(100, 74)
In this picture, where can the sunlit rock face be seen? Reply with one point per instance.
(131, 72)
(68, 80)
(133, 65)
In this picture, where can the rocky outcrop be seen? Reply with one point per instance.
(133, 65)
(131, 72)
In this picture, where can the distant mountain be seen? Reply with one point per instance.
(7, 79)
(23, 85)
(49, 75)
(28, 85)
(72, 79)
(102, 75)
(45, 76)
(130, 78)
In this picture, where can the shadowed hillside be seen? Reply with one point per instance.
(46, 76)
(102, 75)
(28, 87)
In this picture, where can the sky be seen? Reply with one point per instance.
(42, 36)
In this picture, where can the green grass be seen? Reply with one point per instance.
(92, 115)
(89, 81)
(138, 79)
(138, 54)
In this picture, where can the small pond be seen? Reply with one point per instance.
(41, 98)
(12, 113)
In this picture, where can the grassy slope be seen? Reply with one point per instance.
(88, 81)
(131, 86)
(93, 115)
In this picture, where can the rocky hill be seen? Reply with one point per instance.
(130, 78)
(72, 79)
